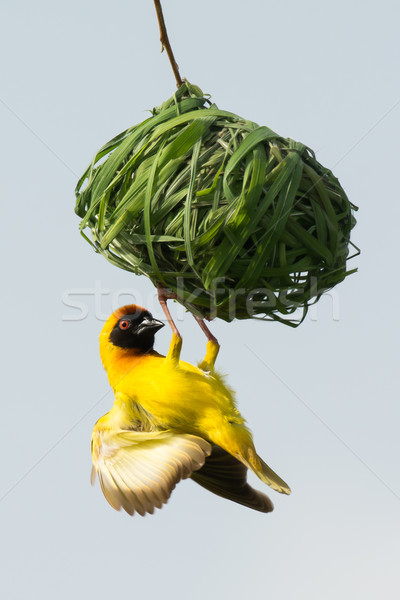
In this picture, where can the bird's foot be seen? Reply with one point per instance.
(165, 294)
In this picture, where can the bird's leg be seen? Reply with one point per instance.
(208, 362)
(175, 347)
(163, 296)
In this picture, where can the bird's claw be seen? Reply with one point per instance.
(165, 294)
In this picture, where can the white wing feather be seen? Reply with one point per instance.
(138, 470)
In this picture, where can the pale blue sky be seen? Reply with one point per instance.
(322, 400)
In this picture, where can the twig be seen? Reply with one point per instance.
(165, 42)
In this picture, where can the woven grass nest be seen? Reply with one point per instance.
(236, 220)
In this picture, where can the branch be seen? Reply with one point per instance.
(165, 42)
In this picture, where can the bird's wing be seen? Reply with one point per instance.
(138, 470)
(225, 476)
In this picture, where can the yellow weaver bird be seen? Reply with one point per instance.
(170, 420)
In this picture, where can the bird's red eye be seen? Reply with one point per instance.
(124, 325)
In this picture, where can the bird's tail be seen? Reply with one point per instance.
(238, 442)
(264, 472)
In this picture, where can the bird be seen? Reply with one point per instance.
(170, 420)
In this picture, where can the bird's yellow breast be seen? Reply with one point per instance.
(174, 395)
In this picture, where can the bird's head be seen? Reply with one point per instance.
(130, 327)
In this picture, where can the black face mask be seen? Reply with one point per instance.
(136, 331)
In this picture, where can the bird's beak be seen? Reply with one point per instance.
(149, 325)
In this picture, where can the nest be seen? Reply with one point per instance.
(236, 220)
